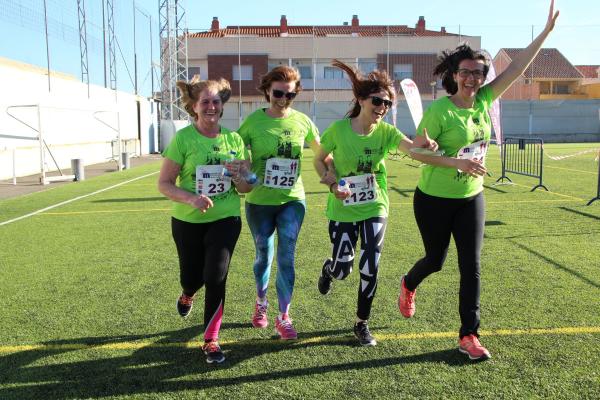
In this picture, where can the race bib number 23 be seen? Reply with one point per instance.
(210, 180)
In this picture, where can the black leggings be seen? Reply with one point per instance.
(205, 251)
(437, 219)
(343, 236)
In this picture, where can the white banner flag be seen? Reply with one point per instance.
(413, 99)
(495, 108)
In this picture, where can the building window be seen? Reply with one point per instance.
(367, 66)
(332, 73)
(403, 71)
(305, 71)
(192, 71)
(242, 72)
(561, 88)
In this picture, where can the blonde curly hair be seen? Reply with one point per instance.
(190, 92)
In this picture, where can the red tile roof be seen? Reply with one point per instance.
(321, 30)
(589, 71)
(549, 63)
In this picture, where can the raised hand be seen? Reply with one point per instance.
(552, 16)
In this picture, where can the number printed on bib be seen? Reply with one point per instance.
(281, 173)
(475, 151)
(210, 180)
(363, 189)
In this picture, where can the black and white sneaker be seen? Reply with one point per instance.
(184, 305)
(325, 279)
(213, 352)
(361, 331)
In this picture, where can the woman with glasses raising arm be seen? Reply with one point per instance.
(449, 196)
(276, 137)
(360, 144)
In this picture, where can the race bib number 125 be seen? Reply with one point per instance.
(281, 173)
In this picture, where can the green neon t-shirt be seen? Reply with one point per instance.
(356, 155)
(190, 149)
(453, 128)
(277, 138)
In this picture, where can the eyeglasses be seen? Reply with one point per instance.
(377, 101)
(464, 73)
(280, 93)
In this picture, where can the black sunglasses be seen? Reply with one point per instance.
(377, 101)
(280, 93)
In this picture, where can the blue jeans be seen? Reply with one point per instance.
(263, 220)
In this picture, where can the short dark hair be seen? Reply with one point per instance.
(449, 61)
(281, 73)
(362, 86)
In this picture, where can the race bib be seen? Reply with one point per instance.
(210, 180)
(475, 151)
(363, 189)
(281, 173)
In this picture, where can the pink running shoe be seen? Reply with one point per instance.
(470, 345)
(406, 301)
(284, 328)
(259, 318)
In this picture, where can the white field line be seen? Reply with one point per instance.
(62, 203)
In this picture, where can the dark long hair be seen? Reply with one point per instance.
(449, 61)
(362, 86)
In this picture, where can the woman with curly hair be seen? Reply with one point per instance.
(206, 205)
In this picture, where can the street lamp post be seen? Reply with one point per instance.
(433, 85)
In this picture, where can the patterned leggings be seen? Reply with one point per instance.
(344, 236)
(263, 221)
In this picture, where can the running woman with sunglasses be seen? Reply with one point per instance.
(360, 144)
(449, 199)
(276, 137)
(206, 206)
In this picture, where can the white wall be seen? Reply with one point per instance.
(73, 125)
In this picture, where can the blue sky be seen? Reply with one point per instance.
(500, 24)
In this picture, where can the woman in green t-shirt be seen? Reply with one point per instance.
(206, 206)
(359, 145)
(276, 137)
(449, 196)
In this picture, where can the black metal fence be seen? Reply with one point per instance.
(598, 189)
(523, 156)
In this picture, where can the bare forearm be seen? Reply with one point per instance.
(438, 161)
(175, 193)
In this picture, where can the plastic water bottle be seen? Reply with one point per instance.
(343, 186)
(228, 160)
(250, 177)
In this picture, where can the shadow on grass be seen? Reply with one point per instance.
(495, 189)
(577, 274)
(583, 214)
(168, 366)
(402, 192)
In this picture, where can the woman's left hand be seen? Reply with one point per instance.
(234, 168)
(429, 143)
(552, 16)
(328, 178)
